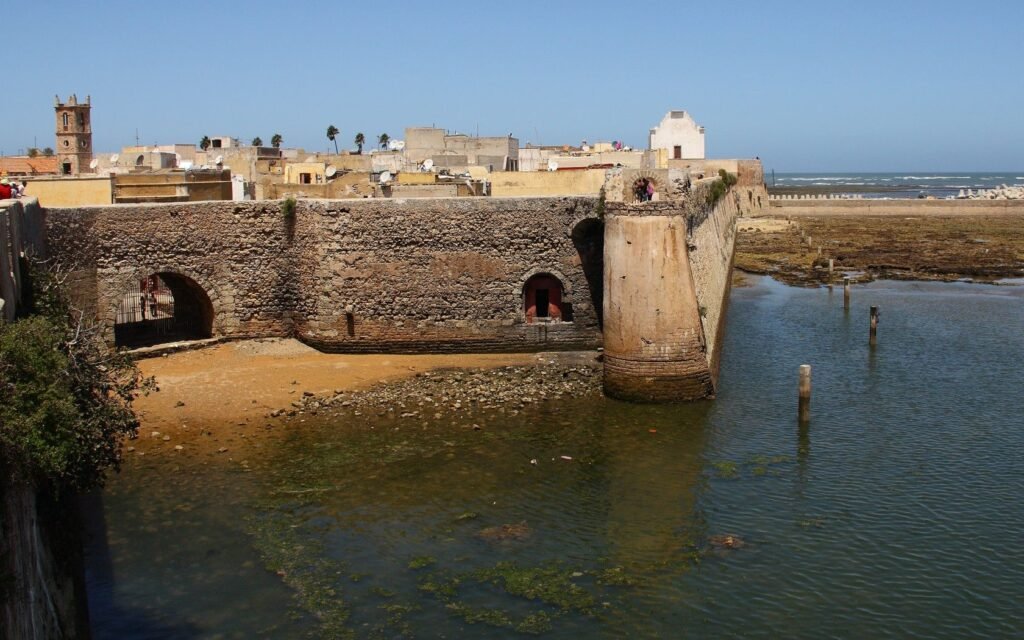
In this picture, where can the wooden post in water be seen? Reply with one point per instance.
(831, 265)
(846, 294)
(805, 393)
(873, 333)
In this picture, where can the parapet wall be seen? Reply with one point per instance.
(21, 233)
(358, 275)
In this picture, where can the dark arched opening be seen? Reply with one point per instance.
(588, 238)
(162, 307)
(542, 300)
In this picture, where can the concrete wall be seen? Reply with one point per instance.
(653, 339)
(423, 275)
(546, 183)
(71, 192)
(667, 277)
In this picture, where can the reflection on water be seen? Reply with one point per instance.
(893, 513)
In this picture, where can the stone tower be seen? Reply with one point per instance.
(74, 135)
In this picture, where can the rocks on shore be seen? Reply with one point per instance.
(431, 394)
(1002, 192)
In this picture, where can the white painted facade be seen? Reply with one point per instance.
(679, 136)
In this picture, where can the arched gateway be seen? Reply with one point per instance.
(162, 307)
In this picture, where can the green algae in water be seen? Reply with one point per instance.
(725, 469)
(421, 562)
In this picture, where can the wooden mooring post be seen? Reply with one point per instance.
(846, 294)
(805, 393)
(873, 332)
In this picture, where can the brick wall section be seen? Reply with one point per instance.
(416, 276)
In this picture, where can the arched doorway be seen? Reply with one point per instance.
(162, 307)
(542, 300)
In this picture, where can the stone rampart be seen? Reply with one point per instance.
(351, 276)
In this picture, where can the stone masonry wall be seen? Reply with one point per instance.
(711, 244)
(370, 275)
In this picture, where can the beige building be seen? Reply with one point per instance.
(459, 151)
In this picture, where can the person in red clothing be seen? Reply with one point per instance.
(5, 189)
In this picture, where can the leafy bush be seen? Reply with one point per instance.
(288, 208)
(65, 398)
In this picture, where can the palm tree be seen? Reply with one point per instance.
(204, 144)
(257, 141)
(276, 140)
(382, 140)
(332, 132)
(360, 141)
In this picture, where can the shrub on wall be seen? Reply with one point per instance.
(288, 208)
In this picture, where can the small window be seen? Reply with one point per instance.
(305, 178)
(66, 168)
(67, 144)
(85, 144)
(542, 300)
(216, 143)
(677, 152)
(66, 121)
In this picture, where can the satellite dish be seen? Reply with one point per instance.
(385, 177)
(428, 164)
(219, 160)
(114, 158)
(331, 171)
(94, 163)
(552, 165)
(186, 165)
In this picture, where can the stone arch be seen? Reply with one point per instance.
(545, 293)
(660, 189)
(197, 312)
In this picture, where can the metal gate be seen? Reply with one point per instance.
(145, 314)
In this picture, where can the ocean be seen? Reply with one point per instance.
(891, 185)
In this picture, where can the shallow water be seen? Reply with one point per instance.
(894, 513)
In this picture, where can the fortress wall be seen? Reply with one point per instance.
(711, 244)
(439, 274)
(367, 275)
(238, 252)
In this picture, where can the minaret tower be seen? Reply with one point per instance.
(74, 136)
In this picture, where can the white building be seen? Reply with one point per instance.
(679, 136)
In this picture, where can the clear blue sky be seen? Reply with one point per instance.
(807, 86)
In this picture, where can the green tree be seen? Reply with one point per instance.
(33, 152)
(65, 398)
(332, 134)
(48, 151)
(360, 141)
(204, 144)
(257, 141)
(383, 140)
(276, 140)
